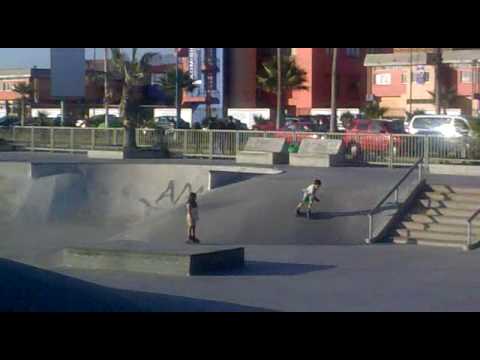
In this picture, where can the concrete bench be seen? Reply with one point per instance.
(264, 151)
(318, 153)
(192, 262)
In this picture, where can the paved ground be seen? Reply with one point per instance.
(287, 269)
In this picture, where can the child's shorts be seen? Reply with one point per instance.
(308, 199)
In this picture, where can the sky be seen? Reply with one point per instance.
(40, 57)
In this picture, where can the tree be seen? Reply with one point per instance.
(292, 78)
(448, 97)
(26, 93)
(373, 110)
(132, 71)
(333, 97)
(168, 83)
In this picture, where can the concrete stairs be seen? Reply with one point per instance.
(440, 218)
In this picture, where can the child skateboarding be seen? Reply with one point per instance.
(309, 196)
(192, 218)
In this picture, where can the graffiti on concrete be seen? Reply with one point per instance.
(169, 194)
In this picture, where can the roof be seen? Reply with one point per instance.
(15, 73)
(398, 59)
(461, 56)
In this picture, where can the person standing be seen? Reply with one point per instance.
(192, 218)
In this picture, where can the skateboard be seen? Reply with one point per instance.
(307, 215)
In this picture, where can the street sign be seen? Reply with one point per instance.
(68, 69)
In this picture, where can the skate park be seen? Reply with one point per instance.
(291, 264)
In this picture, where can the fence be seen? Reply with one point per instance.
(380, 149)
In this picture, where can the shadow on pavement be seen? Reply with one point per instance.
(264, 268)
(25, 288)
(338, 214)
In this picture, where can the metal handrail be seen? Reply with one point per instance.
(469, 227)
(395, 189)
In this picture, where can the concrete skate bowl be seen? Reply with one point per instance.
(49, 206)
(261, 211)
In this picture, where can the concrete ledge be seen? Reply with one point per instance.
(181, 263)
(105, 154)
(459, 170)
(316, 161)
(127, 154)
(262, 158)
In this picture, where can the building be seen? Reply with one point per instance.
(404, 80)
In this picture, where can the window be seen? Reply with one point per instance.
(383, 79)
(466, 77)
(460, 124)
(430, 123)
(353, 52)
(420, 77)
(157, 79)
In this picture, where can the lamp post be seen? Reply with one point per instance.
(279, 88)
(105, 65)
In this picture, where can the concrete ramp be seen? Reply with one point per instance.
(262, 211)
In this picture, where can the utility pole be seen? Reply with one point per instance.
(411, 81)
(333, 96)
(279, 88)
(178, 106)
(105, 65)
(438, 62)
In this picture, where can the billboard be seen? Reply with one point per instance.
(67, 72)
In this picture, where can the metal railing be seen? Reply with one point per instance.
(395, 191)
(469, 228)
(377, 149)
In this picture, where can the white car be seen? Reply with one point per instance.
(442, 125)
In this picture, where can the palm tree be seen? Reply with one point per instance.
(132, 73)
(168, 83)
(333, 97)
(26, 93)
(447, 98)
(292, 78)
(373, 110)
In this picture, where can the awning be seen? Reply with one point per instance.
(461, 56)
(399, 59)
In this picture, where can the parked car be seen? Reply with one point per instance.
(170, 122)
(372, 136)
(440, 125)
(296, 131)
(265, 126)
(9, 120)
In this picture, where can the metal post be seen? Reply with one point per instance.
(114, 137)
(185, 141)
(237, 142)
(426, 152)
(52, 139)
(370, 228)
(72, 140)
(390, 152)
(210, 139)
(469, 234)
(279, 89)
(13, 134)
(93, 138)
(32, 140)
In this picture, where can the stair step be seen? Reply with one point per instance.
(440, 219)
(464, 214)
(455, 189)
(431, 235)
(434, 204)
(467, 198)
(400, 240)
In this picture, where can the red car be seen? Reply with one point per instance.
(372, 136)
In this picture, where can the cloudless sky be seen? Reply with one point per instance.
(40, 57)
